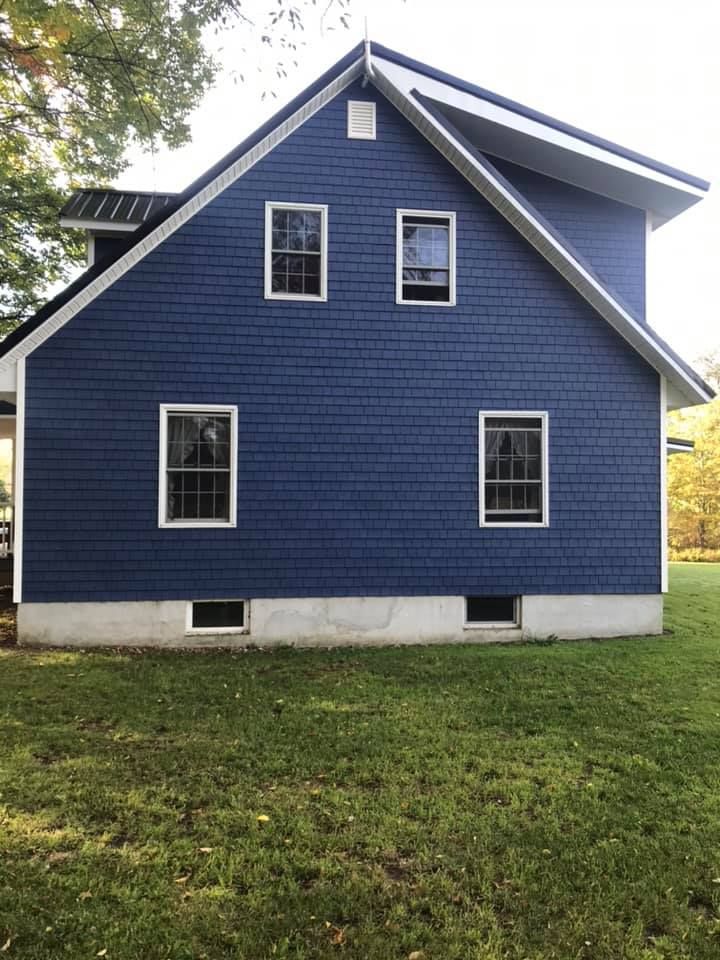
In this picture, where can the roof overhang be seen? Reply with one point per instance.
(684, 386)
(515, 133)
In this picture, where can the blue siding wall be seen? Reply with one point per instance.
(357, 418)
(608, 234)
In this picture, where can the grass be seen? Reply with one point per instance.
(468, 803)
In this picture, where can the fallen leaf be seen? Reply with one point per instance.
(416, 955)
(263, 818)
(101, 953)
(206, 849)
(85, 895)
(338, 937)
(183, 879)
(6, 946)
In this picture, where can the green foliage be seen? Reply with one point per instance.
(694, 479)
(79, 82)
(507, 803)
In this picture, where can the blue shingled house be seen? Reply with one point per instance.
(382, 374)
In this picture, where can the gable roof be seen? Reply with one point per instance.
(451, 143)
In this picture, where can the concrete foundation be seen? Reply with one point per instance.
(336, 621)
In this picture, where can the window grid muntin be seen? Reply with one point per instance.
(425, 275)
(295, 251)
(194, 492)
(512, 499)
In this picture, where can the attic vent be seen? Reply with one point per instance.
(361, 120)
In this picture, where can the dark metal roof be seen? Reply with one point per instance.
(683, 444)
(115, 206)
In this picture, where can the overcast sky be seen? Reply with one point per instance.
(644, 73)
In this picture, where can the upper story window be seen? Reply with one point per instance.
(425, 257)
(198, 454)
(295, 251)
(513, 469)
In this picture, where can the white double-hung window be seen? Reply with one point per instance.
(295, 251)
(198, 466)
(513, 469)
(425, 257)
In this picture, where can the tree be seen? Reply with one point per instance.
(80, 80)
(694, 478)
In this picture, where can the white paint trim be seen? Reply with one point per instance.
(190, 630)
(663, 489)
(113, 226)
(355, 109)
(90, 249)
(116, 270)
(430, 214)
(19, 491)
(322, 209)
(209, 408)
(508, 205)
(544, 417)
(406, 79)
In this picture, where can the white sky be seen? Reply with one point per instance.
(644, 73)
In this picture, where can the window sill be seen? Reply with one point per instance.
(216, 631)
(425, 303)
(514, 526)
(491, 626)
(295, 296)
(196, 525)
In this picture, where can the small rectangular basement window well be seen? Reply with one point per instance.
(216, 616)
(492, 611)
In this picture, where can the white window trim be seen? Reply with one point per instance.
(322, 209)
(501, 625)
(165, 409)
(190, 630)
(543, 416)
(439, 214)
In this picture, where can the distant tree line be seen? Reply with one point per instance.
(694, 478)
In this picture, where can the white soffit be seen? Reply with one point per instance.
(530, 143)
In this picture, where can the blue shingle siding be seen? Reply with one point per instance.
(357, 417)
(608, 234)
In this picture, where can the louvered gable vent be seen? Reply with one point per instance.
(361, 120)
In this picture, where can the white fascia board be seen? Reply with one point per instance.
(196, 203)
(406, 80)
(527, 224)
(112, 226)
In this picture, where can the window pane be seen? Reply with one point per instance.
(296, 252)
(208, 614)
(198, 466)
(421, 292)
(513, 454)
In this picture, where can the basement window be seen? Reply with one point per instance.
(495, 611)
(216, 616)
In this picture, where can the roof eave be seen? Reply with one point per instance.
(529, 224)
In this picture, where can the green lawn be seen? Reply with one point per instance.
(532, 801)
